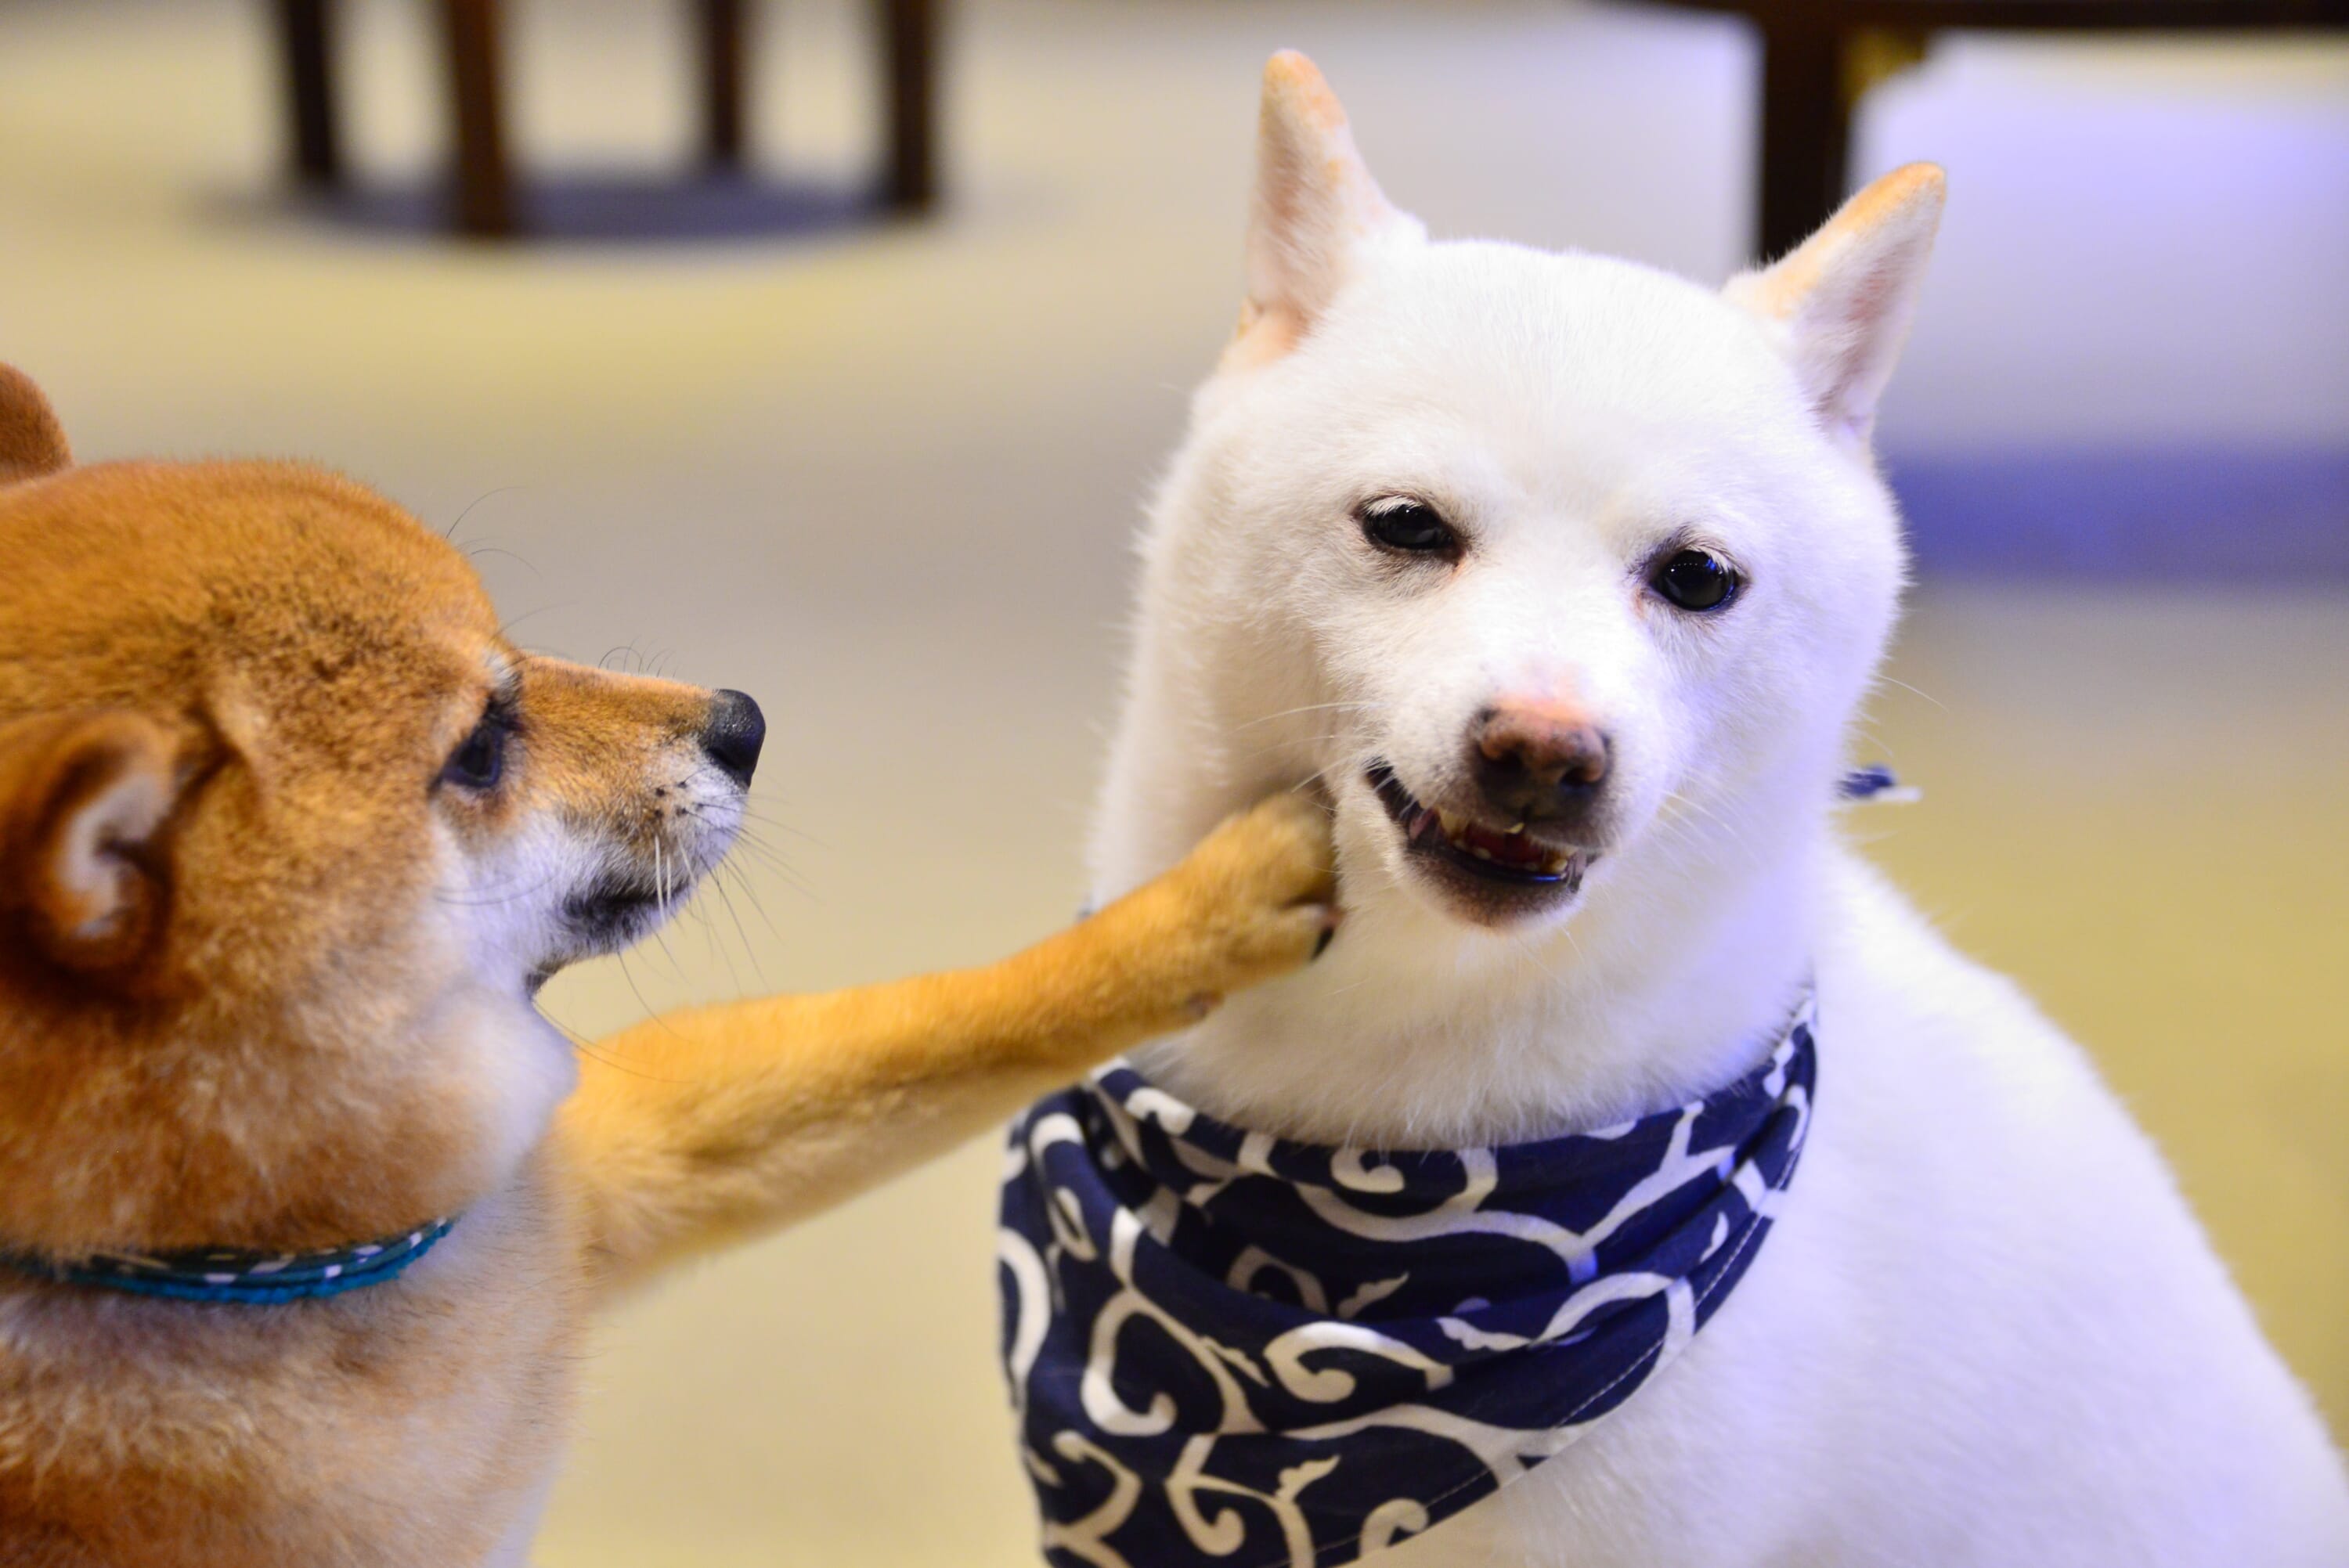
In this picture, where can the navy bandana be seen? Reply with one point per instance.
(242, 1278)
(1229, 1349)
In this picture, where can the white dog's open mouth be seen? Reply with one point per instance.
(1498, 872)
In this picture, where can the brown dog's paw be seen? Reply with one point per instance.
(1256, 899)
(1265, 883)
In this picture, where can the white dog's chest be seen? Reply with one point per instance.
(1984, 1330)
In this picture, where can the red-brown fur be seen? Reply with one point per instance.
(238, 1007)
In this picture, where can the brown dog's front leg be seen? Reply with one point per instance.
(707, 1124)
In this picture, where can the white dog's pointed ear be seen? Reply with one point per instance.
(1846, 294)
(1315, 204)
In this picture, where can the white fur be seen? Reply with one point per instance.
(1987, 1330)
(498, 916)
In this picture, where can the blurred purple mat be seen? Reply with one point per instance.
(2176, 512)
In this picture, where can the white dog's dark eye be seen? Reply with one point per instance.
(1694, 580)
(480, 761)
(1399, 523)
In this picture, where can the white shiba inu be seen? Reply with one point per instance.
(1564, 579)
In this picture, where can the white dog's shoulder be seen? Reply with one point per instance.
(1984, 1303)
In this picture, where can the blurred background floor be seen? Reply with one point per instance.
(884, 482)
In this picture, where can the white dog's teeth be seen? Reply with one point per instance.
(1452, 826)
(1480, 851)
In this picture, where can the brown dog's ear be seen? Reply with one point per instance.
(1315, 204)
(83, 800)
(1846, 294)
(32, 442)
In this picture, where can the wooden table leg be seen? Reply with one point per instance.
(485, 204)
(725, 46)
(304, 29)
(1805, 134)
(909, 44)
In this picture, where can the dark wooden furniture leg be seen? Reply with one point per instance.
(725, 46)
(1806, 131)
(909, 46)
(485, 204)
(1820, 56)
(304, 29)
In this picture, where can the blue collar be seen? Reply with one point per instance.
(242, 1278)
(1228, 1350)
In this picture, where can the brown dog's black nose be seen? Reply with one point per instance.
(1538, 762)
(736, 731)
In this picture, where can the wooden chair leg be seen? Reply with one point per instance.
(909, 31)
(485, 205)
(1805, 134)
(305, 33)
(725, 84)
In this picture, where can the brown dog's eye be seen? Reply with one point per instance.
(480, 761)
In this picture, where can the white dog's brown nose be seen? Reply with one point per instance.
(1538, 762)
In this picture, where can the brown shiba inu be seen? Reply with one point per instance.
(288, 837)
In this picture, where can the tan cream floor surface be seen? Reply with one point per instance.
(884, 483)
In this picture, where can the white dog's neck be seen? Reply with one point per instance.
(1415, 1031)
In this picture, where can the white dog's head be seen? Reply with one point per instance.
(1559, 573)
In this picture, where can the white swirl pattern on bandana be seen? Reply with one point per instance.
(1229, 1349)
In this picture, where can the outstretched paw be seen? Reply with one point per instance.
(1256, 899)
(1265, 883)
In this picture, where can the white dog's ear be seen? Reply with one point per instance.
(1315, 204)
(1846, 294)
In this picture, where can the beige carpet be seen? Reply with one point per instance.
(885, 483)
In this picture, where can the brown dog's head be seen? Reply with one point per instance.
(289, 833)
